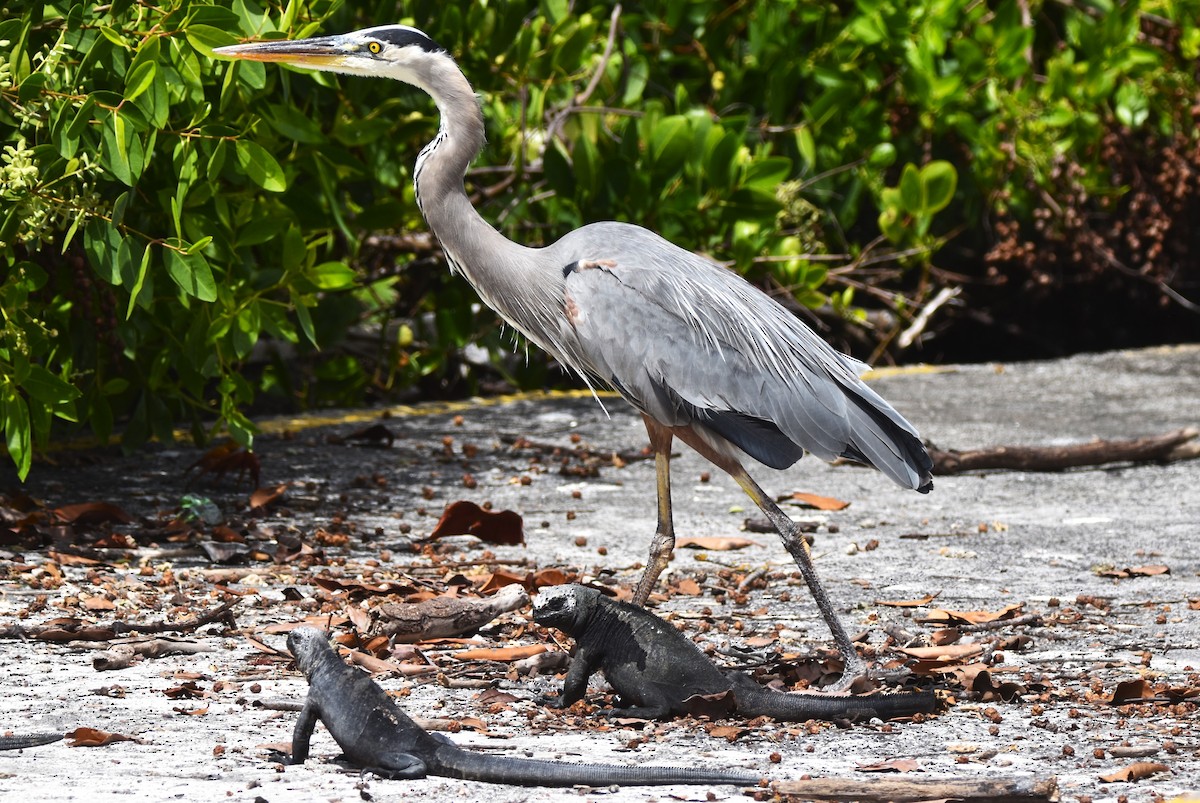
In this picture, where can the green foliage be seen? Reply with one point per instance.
(181, 235)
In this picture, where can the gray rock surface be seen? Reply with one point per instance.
(981, 541)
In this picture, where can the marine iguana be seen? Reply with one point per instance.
(659, 673)
(374, 733)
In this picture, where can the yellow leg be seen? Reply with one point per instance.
(663, 544)
(794, 541)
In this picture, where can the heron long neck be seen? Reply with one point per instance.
(509, 277)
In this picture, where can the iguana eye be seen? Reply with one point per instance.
(374, 47)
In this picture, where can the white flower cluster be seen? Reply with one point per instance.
(44, 209)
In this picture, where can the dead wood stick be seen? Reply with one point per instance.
(976, 790)
(76, 630)
(443, 617)
(1181, 444)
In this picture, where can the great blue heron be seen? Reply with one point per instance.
(702, 354)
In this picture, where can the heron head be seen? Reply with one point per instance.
(389, 51)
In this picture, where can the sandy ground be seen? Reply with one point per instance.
(981, 541)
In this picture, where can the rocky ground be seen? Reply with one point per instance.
(1063, 609)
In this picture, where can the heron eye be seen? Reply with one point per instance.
(374, 47)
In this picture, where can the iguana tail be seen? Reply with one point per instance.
(755, 701)
(455, 762)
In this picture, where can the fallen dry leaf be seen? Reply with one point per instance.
(909, 603)
(819, 502)
(492, 526)
(501, 578)
(1131, 691)
(942, 616)
(91, 737)
(1135, 772)
(89, 514)
(715, 544)
(506, 654)
(358, 588)
(892, 765)
(265, 496)
(730, 733)
(688, 587)
(933, 659)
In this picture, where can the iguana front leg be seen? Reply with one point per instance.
(302, 734)
(583, 666)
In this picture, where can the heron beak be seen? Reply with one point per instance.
(321, 52)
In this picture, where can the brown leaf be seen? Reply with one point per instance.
(892, 765)
(359, 588)
(947, 635)
(191, 712)
(941, 616)
(507, 654)
(715, 544)
(494, 527)
(1131, 691)
(91, 737)
(265, 496)
(115, 541)
(1135, 772)
(89, 514)
(548, 577)
(501, 578)
(730, 733)
(931, 659)
(909, 603)
(819, 502)
(689, 587)
(719, 704)
(227, 535)
(98, 604)
(1194, 604)
(1148, 571)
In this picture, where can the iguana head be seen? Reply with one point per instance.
(558, 606)
(306, 644)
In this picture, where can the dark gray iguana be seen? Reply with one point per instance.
(375, 734)
(659, 673)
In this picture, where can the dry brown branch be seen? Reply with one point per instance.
(78, 630)
(976, 790)
(1182, 444)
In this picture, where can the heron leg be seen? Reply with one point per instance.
(793, 541)
(664, 538)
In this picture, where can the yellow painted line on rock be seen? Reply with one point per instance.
(277, 426)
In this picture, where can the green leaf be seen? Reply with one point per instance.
(192, 273)
(305, 319)
(44, 386)
(260, 166)
(140, 281)
(910, 189)
(205, 37)
(140, 79)
(17, 432)
(938, 181)
(333, 276)
(669, 143)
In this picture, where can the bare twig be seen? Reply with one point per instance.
(921, 320)
(1182, 444)
(976, 790)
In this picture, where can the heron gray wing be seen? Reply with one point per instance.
(690, 342)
